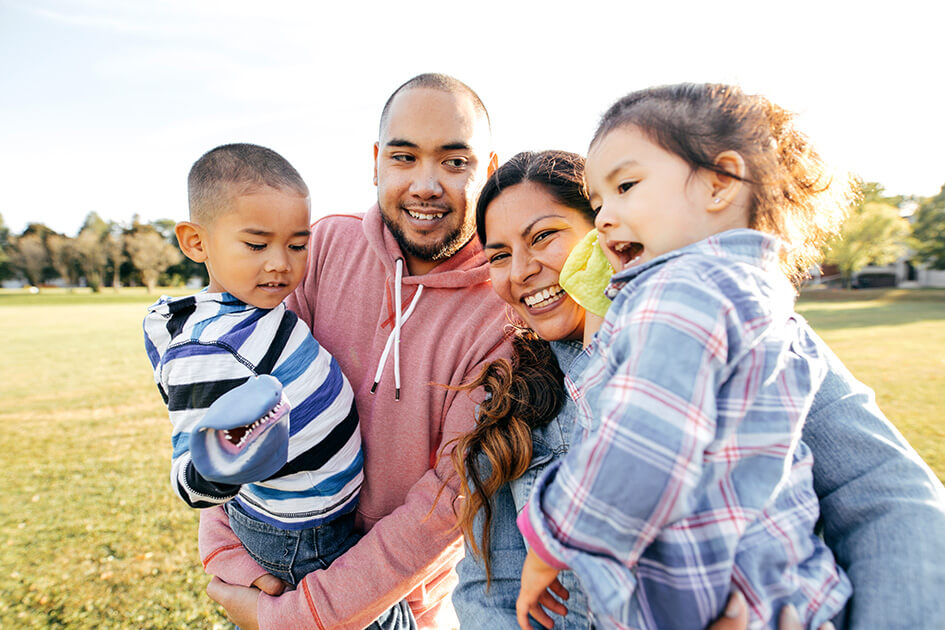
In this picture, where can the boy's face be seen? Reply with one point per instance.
(649, 201)
(256, 250)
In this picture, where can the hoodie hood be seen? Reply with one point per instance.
(465, 268)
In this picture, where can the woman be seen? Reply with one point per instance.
(883, 511)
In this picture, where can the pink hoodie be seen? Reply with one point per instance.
(411, 546)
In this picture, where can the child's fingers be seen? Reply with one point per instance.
(559, 590)
(547, 601)
(522, 611)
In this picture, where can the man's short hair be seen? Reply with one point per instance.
(435, 81)
(232, 170)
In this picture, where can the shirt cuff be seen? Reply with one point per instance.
(534, 540)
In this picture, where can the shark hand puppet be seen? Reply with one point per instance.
(244, 436)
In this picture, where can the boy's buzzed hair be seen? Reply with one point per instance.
(232, 170)
(436, 81)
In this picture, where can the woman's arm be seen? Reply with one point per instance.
(882, 508)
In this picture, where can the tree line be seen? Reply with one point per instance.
(103, 253)
(876, 232)
(108, 253)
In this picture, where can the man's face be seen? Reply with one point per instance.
(430, 163)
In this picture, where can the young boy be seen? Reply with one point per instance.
(289, 485)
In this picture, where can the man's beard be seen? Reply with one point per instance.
(441, 249)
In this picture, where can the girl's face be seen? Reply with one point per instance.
(528, 237)
(649, 201)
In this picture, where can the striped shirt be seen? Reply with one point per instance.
(687, 476)
(204, 345)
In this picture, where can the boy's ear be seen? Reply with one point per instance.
(725, 188)
(190, 237)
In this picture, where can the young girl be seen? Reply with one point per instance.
(688, 477)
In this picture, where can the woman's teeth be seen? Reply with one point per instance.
(543, 297)
(425, 217)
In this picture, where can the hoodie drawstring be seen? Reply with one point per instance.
(393, 340)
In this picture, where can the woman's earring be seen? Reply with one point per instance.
(716, 200)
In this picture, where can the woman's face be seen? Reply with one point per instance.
(528, 237)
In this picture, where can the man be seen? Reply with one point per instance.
(383, 321)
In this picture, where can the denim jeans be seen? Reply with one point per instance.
(290, 555)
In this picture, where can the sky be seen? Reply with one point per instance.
(105, 104)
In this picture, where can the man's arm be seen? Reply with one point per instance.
(413, 544)
(882, 508)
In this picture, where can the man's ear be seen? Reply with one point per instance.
(376, 151)
(726, 183)
(190, 237)
(493, 164)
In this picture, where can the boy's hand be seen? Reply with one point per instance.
(270, 584)
(539, 581)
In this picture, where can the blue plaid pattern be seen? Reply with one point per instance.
(687, 476)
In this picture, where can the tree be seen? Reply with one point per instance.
(929, 230)
(30, 257)
(91, 256)
(6, 247)
(114, 247)
(874, 233)
(150, 253)
(63, 256)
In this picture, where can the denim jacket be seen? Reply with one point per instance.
(494, 608)
(882, 514)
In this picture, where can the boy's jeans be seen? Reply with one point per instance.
(290, 555)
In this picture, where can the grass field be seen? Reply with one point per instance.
(90, 534)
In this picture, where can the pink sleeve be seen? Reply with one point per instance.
(222, 553)
(534, 541)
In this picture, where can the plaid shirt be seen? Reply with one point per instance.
(687, 477)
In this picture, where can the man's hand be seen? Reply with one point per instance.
(735, 617)
(239, 602)
(539, 581)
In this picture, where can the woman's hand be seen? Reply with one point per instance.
(735, 617)
(239, 602)
(539, 581)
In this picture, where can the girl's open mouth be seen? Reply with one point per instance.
(627, 253)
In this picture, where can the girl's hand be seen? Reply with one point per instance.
(239, 602)
(735, 617)
(539, 581)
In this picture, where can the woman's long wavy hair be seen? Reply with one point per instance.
(528, 391)
(793, 194)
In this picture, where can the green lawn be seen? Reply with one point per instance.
(90, 533)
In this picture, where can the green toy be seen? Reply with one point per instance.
(585, 275)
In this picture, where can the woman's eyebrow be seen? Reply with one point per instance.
(528, 228)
